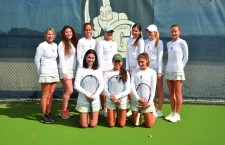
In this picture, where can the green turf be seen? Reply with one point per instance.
(200, 125)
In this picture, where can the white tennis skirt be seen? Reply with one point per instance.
(85, 108)
(174, 76)
(70, 74)
(112, 105)
(48, 79)
(135, 106)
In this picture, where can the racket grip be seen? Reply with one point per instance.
(138, 119)
(91, 111)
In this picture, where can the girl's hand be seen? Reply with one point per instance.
(118, 102)
(113, 98)
(89, 98)
(65, 76)
(159, 75)
(145, 106)
(142, 101)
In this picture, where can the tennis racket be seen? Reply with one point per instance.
(144, 91)
(90, 84)
(116, 85)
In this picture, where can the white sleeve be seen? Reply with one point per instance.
(127, 57)
(133, 89)
(127, 90)
(185, 53)
(95, 45)
(153, 86)
(37, 59)
(101, 85)
(79, 53)
(78, 81)
(141, 46)
(100, 53)
(106, 87)
(160, 56)
(61, 57)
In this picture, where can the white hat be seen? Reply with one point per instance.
(152, 28)
(108, 29)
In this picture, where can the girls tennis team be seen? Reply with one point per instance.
(144, 65)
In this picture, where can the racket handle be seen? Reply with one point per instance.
(91, 111)
(138, 119)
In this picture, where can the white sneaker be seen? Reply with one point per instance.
(129, 113)
(175, 118)
(159, 113)
(169, 116)
(103, 112)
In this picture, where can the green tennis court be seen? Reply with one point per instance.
(200, 125)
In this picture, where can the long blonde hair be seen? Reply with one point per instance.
(156, 39)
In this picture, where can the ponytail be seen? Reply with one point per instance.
(156, 39)
(123, 73)
(136, 41)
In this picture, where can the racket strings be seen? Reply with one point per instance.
(89, 84)
(115, 85)
(143, 91)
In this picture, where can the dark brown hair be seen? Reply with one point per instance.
(74, 40)
(139, 28)
(175, 25)
(95, 65)
(86, 24)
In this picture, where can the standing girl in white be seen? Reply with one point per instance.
(135, 46)
(146, 75)
(85, 43)
(154, 49)
(105, 50)
(67, 66)
(90, 67)
(177, 58)
(46, 65)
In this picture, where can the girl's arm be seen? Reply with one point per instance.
(37, 59)
(101, 84)
(127, 90)
(153, 86)
(61, 57)
(185, 53)
(77, 82)
(160, 56)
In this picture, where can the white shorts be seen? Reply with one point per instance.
(112, 106)
(84, 108)
(70, 74)
(48, 79)
(134, 107)
(174, 76)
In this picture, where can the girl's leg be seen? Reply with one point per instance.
(133, 118)
(111, 117)
(178, 94)
(94, 122)
(122, 118)
(149, 119)
(159, 88)
(170, 85)
(84, 119)
(45, 97)
(103, 111)
(67, 91)
(51, 91)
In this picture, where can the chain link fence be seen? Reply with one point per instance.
(202, 26)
